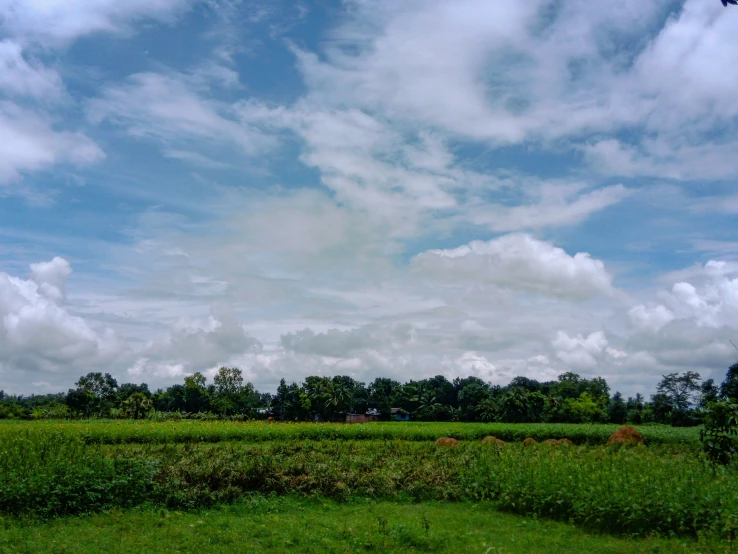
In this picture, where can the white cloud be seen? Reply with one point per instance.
(195, 346)
(519, 262)
(650, 318)
(58, 22)
(170, 109)
(581, 353)
(51, 278)
(37, 332)
(20, 78)
(28, 142)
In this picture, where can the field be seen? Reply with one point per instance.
(56, 476)
(120, 432)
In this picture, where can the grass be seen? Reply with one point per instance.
(290, 524)
(667, 489)
(132, 432)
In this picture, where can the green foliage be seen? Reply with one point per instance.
(729, 388)
(50, 473)
(209, 429)
(584, 409)
(638, 491)
(668, 490)
(137, 405)
(680, 389)
(719, 436)
(318, 525)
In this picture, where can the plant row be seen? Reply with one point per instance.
(189, 431)
(635, 491)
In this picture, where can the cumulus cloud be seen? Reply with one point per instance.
(519, 261)
(195, 346)
(336, 343)
(581, 352)
(712, 301)
(38, 333)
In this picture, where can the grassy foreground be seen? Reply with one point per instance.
(143, 432)
(667, 489)
(291, 524)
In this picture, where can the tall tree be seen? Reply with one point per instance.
(709, 392)
(729, 388)
(617, 411)
(680, 389)
(95, 394)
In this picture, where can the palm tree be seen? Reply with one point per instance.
(339, 397)
(137, 405)
(487, 409)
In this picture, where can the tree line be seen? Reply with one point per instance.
(680, 399)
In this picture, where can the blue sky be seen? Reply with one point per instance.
(371, 188)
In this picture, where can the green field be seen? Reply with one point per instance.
(317, 526)
(129, 431)
(60, 474)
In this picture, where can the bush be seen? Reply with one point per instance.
(51, 474)
(719, 434)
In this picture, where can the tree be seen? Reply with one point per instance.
(95, 394)
(339, 398)
(196, 395)
(488, 409)
(732, 2)
(634, 408)
(359, 399)
(137, 405)
(470, 392)
(709, 392)
(127, 389)
(228, 381)
(170, 400)
(584, 409)
(382, 392)
(291, 402)
(617, 411)
(680, 389)
(658, 410)
(515, 405)
(729, 388)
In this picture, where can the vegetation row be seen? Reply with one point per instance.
(638, 490)
(680, 400)
(193, 431)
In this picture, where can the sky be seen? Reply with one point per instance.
(373, 188)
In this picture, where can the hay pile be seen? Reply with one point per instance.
(492, 440)
(626, 435)
(558, 442)
(529, 441)
(447, 441)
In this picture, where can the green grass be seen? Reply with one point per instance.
(666, 489)
(124, 431)
(292, 524)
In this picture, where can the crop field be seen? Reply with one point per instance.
(57, 474)
(143, 431)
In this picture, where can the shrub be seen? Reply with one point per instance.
(719, 434)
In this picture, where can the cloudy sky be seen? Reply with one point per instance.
(369, 187)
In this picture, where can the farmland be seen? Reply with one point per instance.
(144, 431)
(71, 469)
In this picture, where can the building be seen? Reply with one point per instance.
(398, 416)
(362, 418)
